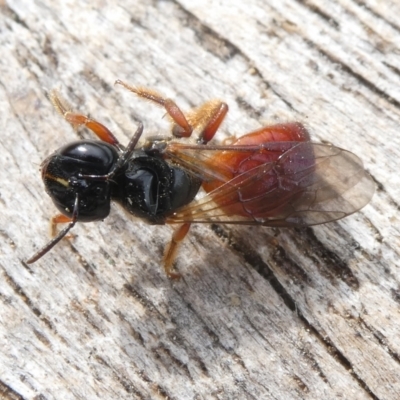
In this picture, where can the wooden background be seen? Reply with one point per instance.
(260, 313)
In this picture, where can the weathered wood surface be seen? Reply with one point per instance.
(260, 313)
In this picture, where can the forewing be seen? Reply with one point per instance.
(202, 160)
(313, 184)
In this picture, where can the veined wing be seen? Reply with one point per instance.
(300, 188)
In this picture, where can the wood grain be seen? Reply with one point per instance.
(260, 313)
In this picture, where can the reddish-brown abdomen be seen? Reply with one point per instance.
(243, 170)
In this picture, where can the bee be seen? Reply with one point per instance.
(274, 176)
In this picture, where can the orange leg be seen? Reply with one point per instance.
(55, 237)
(63, 233)
(76, 120)
(57, 219)
(184, 129)
(170, 251)
(207, 118)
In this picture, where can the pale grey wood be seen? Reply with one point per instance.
(260, 313)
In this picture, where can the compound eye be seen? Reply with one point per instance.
(91, 154)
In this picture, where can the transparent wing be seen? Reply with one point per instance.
(306, 184)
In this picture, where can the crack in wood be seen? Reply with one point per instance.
(255, 261)
(317, 10)
(26, 299)
(8, 393)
